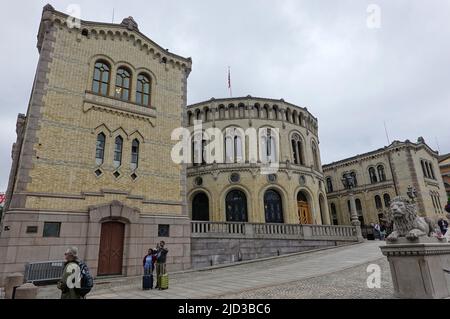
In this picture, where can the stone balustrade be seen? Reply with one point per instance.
(225, 230)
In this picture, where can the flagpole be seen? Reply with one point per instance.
(229, 81)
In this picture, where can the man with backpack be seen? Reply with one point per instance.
(76, 281)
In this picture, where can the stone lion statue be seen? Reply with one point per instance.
(406, 223)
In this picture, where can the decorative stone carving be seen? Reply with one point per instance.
(403, 215)
(130, 24)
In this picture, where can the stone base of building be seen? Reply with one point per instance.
(421, 269)
(19, 246)
(214, 251)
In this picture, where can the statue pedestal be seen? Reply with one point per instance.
(419, 269)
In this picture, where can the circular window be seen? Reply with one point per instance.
(272, 178)
(235, 177)
(198, 181)
(302, 180)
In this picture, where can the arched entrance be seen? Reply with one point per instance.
(236, 206)
(111, 249)
(273, 207)
(200, 207)
(303, 210)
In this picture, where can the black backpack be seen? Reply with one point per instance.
(87, 282)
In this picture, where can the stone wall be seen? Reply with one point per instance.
(213, 251)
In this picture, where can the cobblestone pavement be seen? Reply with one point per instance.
(333, 273)
(345, 284)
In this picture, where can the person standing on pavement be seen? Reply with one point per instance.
(148, 262)
(161, 256)
(71, 277)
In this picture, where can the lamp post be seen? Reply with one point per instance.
(349, 183)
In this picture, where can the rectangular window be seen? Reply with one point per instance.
(163, 230)
(32, 229)
(51, 229)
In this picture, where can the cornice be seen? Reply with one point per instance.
(124, 31)
(246, 100)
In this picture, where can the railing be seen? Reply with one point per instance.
(267, 231)
(44, 271)
(218, 228)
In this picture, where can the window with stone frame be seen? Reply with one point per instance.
(381, 173)
(123, 83)
(118, 145)
(134, 154)
(143, 86)
(373, 175)
(100, 81)
(100, 149)
(297, 149)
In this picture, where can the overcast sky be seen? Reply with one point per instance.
(317, 53)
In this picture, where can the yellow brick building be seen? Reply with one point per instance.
(91, 164)
(383, 174)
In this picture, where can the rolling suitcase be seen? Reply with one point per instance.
(147, 282)
(164, 281)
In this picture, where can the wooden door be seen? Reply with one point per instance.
(111, 249)
(304, 214)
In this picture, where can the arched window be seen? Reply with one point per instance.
(265, 112)
(200, 207)
(118, 144)
(297, 149)
(268, 152)
(329, 185)
(143, 90)
(275, 112)
(334, 216)
(241, 111)
(100, 82)
(387, 200)
(288, 115)
(198, 149)
(315, 157)
(207, 113)
(378, 203)
(422, 162)
(123, 81)
(373, 175)
(100, 149)
(381, 174)
(134, 154)
(221, 112)
(231, 111)
(236, 206)
(234, 148)
(431, 170)
(427, 166)
(273, 207)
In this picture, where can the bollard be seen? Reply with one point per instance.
(11, 281)
(26, 291)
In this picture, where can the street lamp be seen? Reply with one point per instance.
(348, 180)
